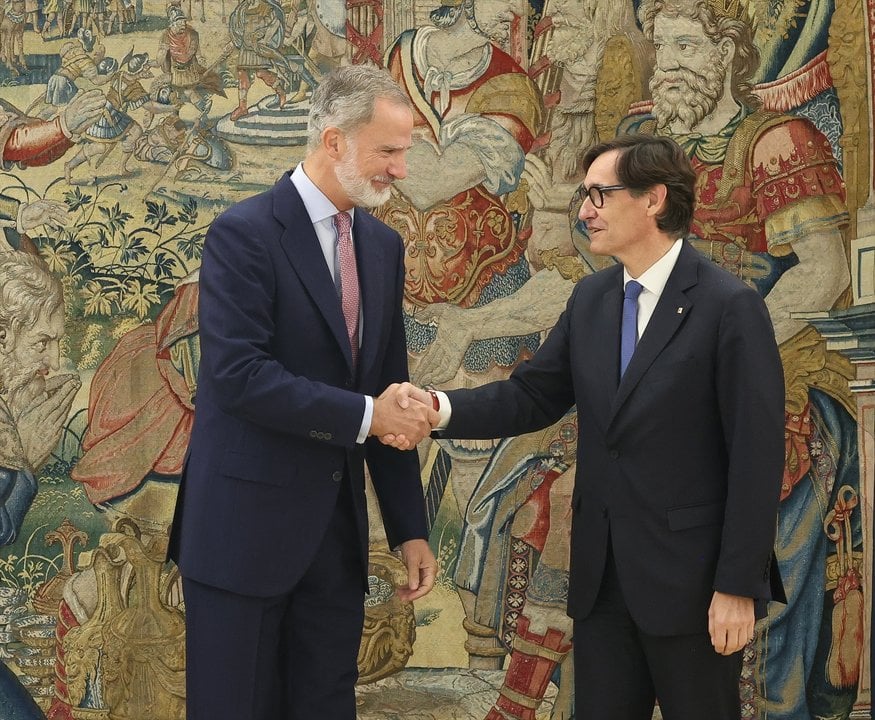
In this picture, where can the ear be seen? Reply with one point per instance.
(727, 50)
(333, 142)
(656, 199)
(7, 340)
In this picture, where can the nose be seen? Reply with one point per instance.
(398, 168)
(666, 59)
(53, 355)
(587, 210)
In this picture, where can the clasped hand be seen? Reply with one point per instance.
(403, 415)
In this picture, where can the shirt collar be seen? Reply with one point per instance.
(656, 276)
(316, 202)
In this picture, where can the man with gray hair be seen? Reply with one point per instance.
(33, 403)
(33, 408)
(300, 329)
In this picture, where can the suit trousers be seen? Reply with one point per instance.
(620, 671)
(289, 657)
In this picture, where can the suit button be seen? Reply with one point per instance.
(328, 436)
(614, 454)
(337, 476)
(312, 433)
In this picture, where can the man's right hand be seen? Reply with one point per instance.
(403, 420)
(42, 212)
(83, 111)
(407, 395)
(40, 426)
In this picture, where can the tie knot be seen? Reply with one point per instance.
(633, 290)
(343, 223)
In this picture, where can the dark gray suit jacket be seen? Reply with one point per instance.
(279, 405)
(680, 463)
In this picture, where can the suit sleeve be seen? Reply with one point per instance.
(537, 394)
(750, 389)
(237, 328)
(395, 473)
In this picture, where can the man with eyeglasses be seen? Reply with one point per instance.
(674, 368)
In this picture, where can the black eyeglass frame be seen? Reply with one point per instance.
(599, 193)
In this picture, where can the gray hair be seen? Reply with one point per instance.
(345, 99)
(27, 288)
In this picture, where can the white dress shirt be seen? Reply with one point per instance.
(653, 281)
(322, 211)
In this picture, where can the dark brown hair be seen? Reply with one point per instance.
(648, 160)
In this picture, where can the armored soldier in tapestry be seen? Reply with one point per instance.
(126, 126)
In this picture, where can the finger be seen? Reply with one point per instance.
(401, 442)
(413, 573)
(55, 382)
(407, 595)
(65, 390)
(58, 407)
(417, 393)
(425, 585)
(57, 415)
(58, 216)
(427, 578)
(410, 595)
(735, 644)
(92, 96)
(718, 639)
(389, 391)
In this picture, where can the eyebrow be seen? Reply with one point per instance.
(690, 39)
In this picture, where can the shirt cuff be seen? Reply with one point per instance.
(62, 124)
(445, 410)
(366, 420)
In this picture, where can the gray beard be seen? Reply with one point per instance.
(357, 187)
(16, 389)
(696, 99)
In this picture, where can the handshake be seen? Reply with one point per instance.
(403, 415)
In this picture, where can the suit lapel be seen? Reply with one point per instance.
(607, 331)
(371, 271)
(669, 314)
(301, 246)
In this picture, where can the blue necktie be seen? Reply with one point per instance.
(629, 328)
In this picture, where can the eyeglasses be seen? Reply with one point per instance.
(596, 193)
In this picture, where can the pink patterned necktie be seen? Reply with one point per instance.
(349, 280)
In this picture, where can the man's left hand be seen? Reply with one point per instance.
(421, 569)
(730, 622)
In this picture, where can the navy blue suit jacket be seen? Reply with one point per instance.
(680, 462)
(278, 406)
